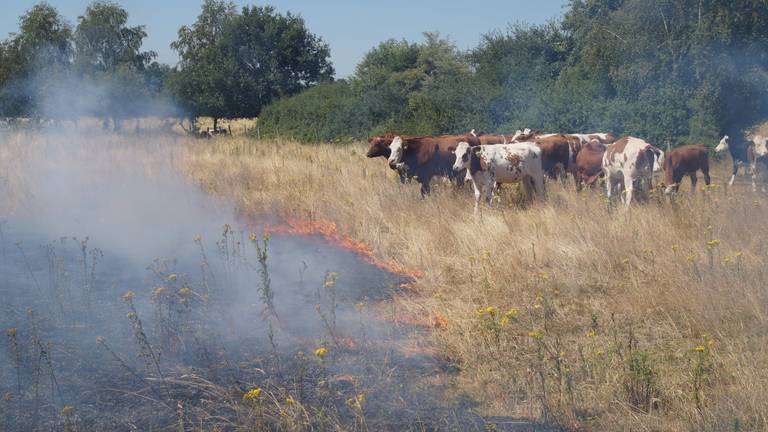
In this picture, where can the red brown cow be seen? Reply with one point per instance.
(558, 153)
(427, 157)
(685, 161)
(589, 164)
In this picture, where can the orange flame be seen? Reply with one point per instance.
(330, 232)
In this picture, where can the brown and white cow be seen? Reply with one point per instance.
(631, 162)
(589, 164)
(752, 154)
(685, 161)
(491, 165)
(427, 157)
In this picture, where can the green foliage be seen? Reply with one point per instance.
(320, 114)
(672, 72)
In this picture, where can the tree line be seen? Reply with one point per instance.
(671, 71)
(232, 63)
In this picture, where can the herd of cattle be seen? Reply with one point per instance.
(488, 160)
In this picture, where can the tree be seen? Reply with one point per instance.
(233, 64)
(34, 60)
(108, 54)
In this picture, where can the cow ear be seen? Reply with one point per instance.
(476, 149)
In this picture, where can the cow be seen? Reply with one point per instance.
(491, 165)
(589, 164)
(558, 154)
(601, 137)
(758, 160)
(380, 148)
(741, 155)
(427, 157)
(685, 161)
(631, 161)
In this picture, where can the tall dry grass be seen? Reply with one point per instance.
(572, 310)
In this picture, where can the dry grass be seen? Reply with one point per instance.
(571, 310)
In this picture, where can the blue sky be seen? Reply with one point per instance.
(350, 27)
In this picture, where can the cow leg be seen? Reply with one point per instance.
(694, 180)
(734, 172)
(425, 185)
(488, 189)
(609, 186)
(705, 171)
(478, 194)
(753, 172)
(538, 185)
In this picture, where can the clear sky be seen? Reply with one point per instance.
(350, 27)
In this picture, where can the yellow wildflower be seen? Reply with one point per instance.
(252, 394)
(647, 251)
(157, 292)
(360, 398)
(625, 261)
(711, 343)
(171, 277)
(290, 401)
(321, 352)
(131, 315)
(184, 291)
(265, 236)
(489, 310)
(252, 237)
(504, 321)
(699, 348)
(128, 297)
(691, 258)
(675, 248)
(536, 334)
(591, 334)
(11, 331)
(713, 243)
(599, 352)
(543, 276)
(739, 254)
(511, 314)
(67, 410)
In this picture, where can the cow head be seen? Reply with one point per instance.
(761, 145)
(658, 161)
(723, 145)
(397, 149)
(463, 154)
(379, 146)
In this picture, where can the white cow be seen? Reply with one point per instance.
(628, 161)
(490, 165)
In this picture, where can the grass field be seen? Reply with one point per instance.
(572, 311)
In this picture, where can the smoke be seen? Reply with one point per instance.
(103, 215)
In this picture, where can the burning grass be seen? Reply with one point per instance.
(571, 311)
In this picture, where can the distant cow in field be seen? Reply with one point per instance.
(741, 155)
(427, 157)
(589, 164)
(601, 137)
(490, 165)
(631, 162)
(685, 161)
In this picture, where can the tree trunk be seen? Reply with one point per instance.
(215, 124)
